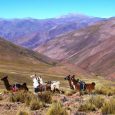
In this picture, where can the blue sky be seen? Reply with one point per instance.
(41, 9)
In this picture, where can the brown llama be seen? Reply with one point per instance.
(11, 87)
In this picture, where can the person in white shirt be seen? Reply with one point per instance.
(35, 82)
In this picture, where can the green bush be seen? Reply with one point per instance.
(56, 109)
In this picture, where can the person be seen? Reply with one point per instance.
(35, 82)
(82, 84)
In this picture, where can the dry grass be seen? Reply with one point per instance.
(21, 96)
(95, 102)
(105, 90)
(109, 107)
(56, 109)
(36, 104)
(29, 99)
(87, 107)
(98, 102)
(45, 97)
(1, 98)
(23, 111)
(70, 92)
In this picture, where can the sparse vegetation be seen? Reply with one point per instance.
(21, 111)
(23, 97)
(36, 104)
(57, 109)
(69, 92)
(109, 107)
(97, 101)
(87, 107)
(1, 98)
(105, 90)
(45, 97)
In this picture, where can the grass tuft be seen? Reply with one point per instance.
(70, 92)
(36, 104)
(45, 97)
(109, 107)
(56, 109)
(97, 101)
(105, 90)
(87, 107)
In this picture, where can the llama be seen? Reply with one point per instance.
(14, 87)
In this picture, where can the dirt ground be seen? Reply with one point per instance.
(71, 103)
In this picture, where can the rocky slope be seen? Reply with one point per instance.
(92, 48)
(32, 32)
(16, 54)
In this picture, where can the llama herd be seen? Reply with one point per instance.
(39, 85)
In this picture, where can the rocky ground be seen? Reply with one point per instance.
(70, 102)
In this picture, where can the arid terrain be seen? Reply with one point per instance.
(72, 45)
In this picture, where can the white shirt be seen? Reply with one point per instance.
(35, 83)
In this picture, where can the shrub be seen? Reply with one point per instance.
(17, 97)
(45, 97)
(109, 107)
(23, 97)
(29, 98)
(36, 104)
(87, 107)
(105, 90)
(1, 98)
(56, 109)
(97, 101)
(70, 92)
(22, 111)
(93, 103)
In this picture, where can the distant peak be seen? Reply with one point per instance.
(72, 15)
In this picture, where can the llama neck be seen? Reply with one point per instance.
(6, 83)
(70, 84)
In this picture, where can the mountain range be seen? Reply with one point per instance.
(11, 53)
(79, 43)
(30, 33)
(91, 48)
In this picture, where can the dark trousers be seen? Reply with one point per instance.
(35, 90)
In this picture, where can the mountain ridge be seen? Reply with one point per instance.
(86, 48)
(30, 33)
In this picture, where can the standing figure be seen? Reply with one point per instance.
(35, 82)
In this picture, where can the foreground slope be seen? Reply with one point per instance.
(92, 48)
(10, 53)
(20, 63)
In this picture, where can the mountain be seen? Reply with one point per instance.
(20, 63)
(91, 48)
(30, 33)
(10, 53)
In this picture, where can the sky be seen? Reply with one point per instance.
(42, 9)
